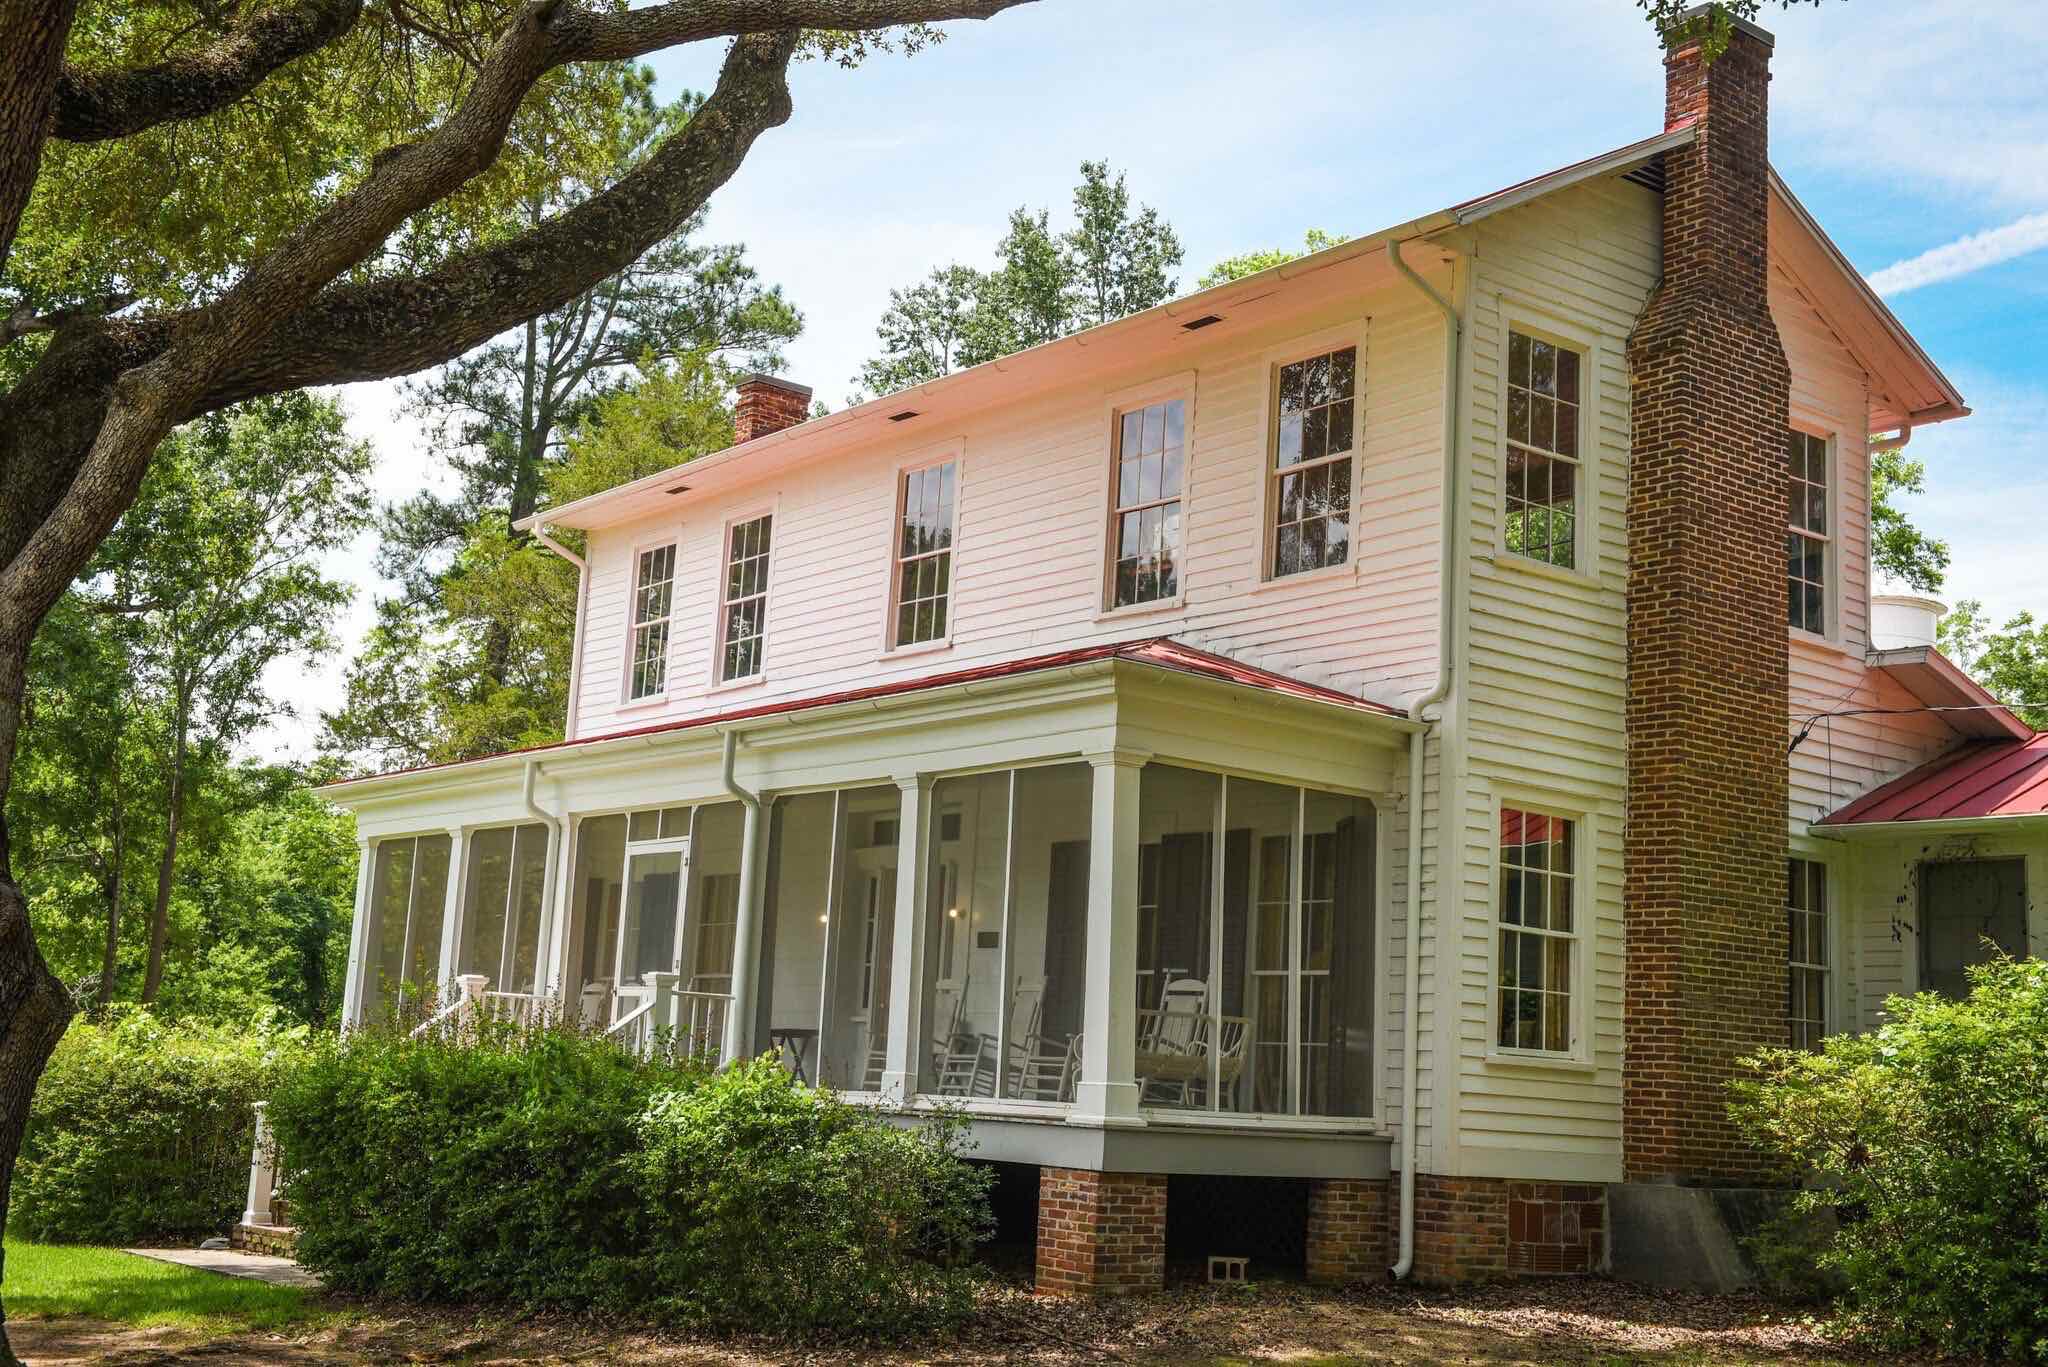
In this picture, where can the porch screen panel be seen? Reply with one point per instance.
(860, 936)
(1177, 1056)
(529, 886)
(1259, 901)
(429, 912)
(597, 893)
(963, 971)
(1338, 940)
(485, 902)
(390, 899)
(1048, 930)
(711, 920)
(795, 909)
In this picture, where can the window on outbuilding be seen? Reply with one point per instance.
(1543, 450)
(1315, 431)
(1806, 533)
(653, 596)
(745, 611)
(1806, 914)
(1537, 932)
(1145, 523)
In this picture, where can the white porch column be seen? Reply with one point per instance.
(262, 1170)
(906, 969)
(746, 945)
(557, 933)
(1107, 1092)
(451, 910)
(359, 935)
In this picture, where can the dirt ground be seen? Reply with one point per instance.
(1567, 1321)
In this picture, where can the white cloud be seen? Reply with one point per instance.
(1964, 255)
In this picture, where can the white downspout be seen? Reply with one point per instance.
(550, 909)
(739, 1025)
(1447, 600)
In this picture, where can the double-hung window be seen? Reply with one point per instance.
(1806, 915)
(1151, 447)
(1543, 451)
(744, 614)
(1806, 533)
(1537, 935)
(924, 554)
(1315, 431)
(653, 598)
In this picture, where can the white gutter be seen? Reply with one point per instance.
(1447, 607)
(539, 532)
(739, 1025)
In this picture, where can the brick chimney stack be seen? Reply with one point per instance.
(767, 404)
(1706, 702)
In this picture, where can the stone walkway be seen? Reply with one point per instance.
(260, 1267)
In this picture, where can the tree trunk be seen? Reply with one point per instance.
(167, 867)
(109, 964)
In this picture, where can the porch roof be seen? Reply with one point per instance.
(1981, 781)
(1158, 652)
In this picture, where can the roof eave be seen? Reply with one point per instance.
(1934, 825)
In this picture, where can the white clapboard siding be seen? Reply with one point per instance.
(1542, 699)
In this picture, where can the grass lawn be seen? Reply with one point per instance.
(50, 1281)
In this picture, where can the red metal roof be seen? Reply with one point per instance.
(1990, 778)
(1162, 652)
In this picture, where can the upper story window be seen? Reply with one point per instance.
(1806, 533)
(1145, 524)
(744, 616)
(924, 554)
(1316, 429)
(1806, 914)
(653, 598)
(1537, 934)
(1543, 451)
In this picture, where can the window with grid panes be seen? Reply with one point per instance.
(1806, 915)
(1543, 451)
(653, 595)
(1145, 524)
(1536, 932)
(924, 555)
(745, 612)
(1315, 430)
(1806, 533)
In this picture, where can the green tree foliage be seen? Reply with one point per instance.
(1901, 550)
(2010, 661)
(1713, 21)
(1923, 1139)
(141, 1130)
(549, 1168)
(1251, 263)
(1115, 260)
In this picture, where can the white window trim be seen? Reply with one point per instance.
(1355, 333)
(1179, 385)
(1831, 932)
(926, 458)
(1831, 557)
(1585, 866)
(671, 536)
(773, 511)
(1517, 316)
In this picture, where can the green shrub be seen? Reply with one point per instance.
(549, 1168)
(140, 1131)
(1929, 1139)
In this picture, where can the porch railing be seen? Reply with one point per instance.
(473, 1004)
(689, 1021)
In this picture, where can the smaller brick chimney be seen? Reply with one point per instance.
(767, 404)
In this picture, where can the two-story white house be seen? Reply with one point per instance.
(1405, 722)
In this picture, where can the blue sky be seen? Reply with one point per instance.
(1907, 128)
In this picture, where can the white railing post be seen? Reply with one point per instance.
(662, 992)
(262, 1170)
(469, 996)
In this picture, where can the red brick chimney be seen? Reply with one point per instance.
(1706, 704)
(767, 404)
